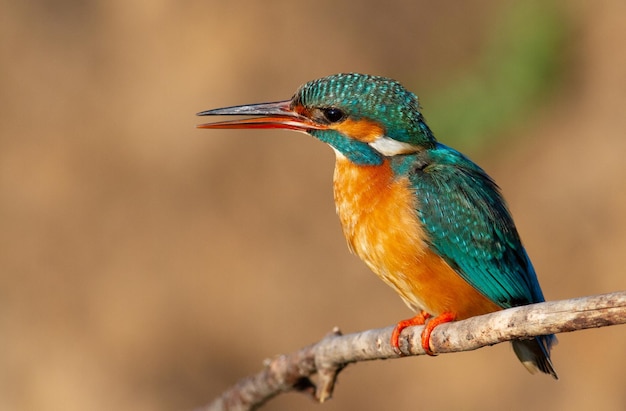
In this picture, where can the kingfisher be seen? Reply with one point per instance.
(425, 218)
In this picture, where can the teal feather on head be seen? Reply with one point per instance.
(372, 97)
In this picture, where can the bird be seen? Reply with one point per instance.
(425, 218)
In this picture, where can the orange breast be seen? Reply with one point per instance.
(379, 220)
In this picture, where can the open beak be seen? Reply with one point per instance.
(271, 115)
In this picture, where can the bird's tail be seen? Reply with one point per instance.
(535, 354)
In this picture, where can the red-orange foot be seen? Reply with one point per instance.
(419, 319)
(430, 326)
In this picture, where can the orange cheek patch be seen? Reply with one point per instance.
(362, 130)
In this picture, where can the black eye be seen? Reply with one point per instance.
(333, 114)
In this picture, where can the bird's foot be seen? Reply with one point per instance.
(430, 326)
(419, 319)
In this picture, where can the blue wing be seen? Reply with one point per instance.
(469, 225)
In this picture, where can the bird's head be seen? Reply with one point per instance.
(364, 118)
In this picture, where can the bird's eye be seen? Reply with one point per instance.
(333, 114)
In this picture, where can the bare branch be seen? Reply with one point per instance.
(315, 368)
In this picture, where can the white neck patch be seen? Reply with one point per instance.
(390, 147)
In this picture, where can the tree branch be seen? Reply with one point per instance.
(314, 368)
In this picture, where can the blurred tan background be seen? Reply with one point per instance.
(147, 265)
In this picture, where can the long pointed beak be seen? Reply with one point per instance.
(272, 115)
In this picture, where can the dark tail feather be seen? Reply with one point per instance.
(535, 354)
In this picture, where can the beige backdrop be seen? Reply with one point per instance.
(147, 265)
